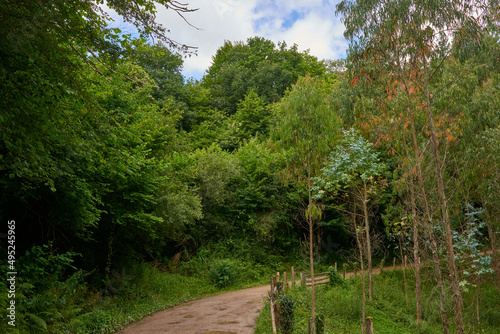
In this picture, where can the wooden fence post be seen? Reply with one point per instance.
(293, 276)
(285, 283)
(271, 297)
(335, 266)
(369, 325)
(303, 279)
(311, 325)
(394, 262)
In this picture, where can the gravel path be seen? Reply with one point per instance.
(228, 313)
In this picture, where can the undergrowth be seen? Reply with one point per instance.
(52, 296)
(393, 310)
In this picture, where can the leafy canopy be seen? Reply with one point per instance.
(353, 159)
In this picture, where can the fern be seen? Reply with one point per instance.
(39, 323)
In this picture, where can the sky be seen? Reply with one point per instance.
(311, 24)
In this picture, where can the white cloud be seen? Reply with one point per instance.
(309, 24)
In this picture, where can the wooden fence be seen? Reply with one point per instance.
(320, 278)
(305, 279)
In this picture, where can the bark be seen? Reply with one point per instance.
(368, 244)
(428, 217)
(496, 264)
(311, 237)
(360, 247)
(416, 256)
(443, 202)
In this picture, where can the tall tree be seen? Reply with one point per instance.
(418, 34)
(307, 127)
(257, 65)
(356, 166)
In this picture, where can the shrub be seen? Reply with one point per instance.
(285, 308)
(223, 273)
(319, 324)
(335, 278)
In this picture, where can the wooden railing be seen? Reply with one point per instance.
(320, 278)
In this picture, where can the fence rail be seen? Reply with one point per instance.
(319, 278)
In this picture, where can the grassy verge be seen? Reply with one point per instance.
(392, 309)
(71, 307)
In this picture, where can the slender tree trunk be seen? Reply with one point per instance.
(435, 254)
(311, 240)
(403, 259)
(360, 247)
(455, 286)
(311, 249)
(368, 244)
(496, 261)
(416, 257)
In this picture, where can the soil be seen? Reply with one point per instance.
(233, 312)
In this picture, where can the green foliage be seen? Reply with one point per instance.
(341, 307)
(223, 273)
(335, 278)
(259, 66)
(285, 309)
(353, 158)
(319, 324)
(252, 118)
(467, 246)
(212, 173)
(307, 126)
(42, 266)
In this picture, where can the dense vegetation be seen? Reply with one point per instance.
(115, 169)
(392, 308)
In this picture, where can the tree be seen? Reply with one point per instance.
(307, 127)
(164, 67)
(259, 66)
(353, 167)
(413, 38)
(252, 118)
(44, 49)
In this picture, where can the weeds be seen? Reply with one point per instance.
(392, 313)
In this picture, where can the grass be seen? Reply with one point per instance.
(71, 307)
(392, 312)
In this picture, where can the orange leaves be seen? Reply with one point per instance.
(354, 81)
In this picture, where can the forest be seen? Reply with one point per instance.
(122, 180)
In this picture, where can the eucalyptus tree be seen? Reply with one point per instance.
(412, 39)
(307, 128)
(353, 167)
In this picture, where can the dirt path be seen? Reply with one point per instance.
(233, 312)
(228, 313)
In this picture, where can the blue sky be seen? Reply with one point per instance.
(310, 24)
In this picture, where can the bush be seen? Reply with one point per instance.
(335, 278)
(223, 273)
(319, 324)
(285, 309)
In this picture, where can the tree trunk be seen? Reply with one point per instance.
(368, 244)
(403, 259)
(455, 286)
(496, 264)
(360, 247)
(311, 241)
(416, 257)
(437, 268)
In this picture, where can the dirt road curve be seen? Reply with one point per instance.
(228, 313)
